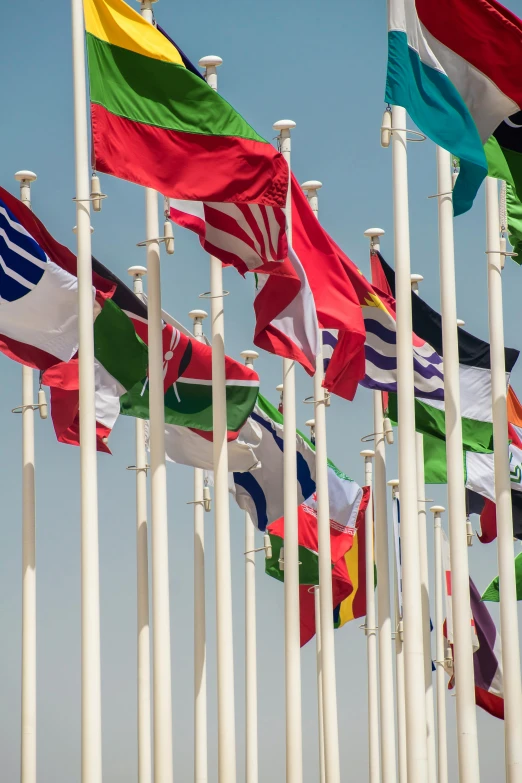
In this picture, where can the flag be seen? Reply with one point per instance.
(487, 660)
(158, 124)
(492, 591)
(396, 510)
(446, 565)
(504, 155)
(315, 272)
(260, 491)
(447, 68)
(342, 579)
(475, 386)
(354, 605)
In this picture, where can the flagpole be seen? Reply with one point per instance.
(416, 744)
(425, 589)
(294, 738)
(200, 638)
(251, 739)
(384, 620)
(28, 713)
(508, 594)
(399, 665)
(463, 651)
(330, 718)
(371, 630)
(442, 739)
(90, 578)
(225, 656)
(161, 661)
(142, 561)
(318, 654)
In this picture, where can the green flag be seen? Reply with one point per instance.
(504, 156)
(492, 591)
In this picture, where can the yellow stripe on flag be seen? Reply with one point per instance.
(116, 23)
(351, 559)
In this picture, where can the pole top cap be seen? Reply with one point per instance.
(416, 278)
(210, 60)
(197, 314)
(367, 453)
(312, 184)
(281, 125)
(310, 423)
(137, 271)
(437, 509)
(279, 388)
(146, 2)
(374, 232)
(25, 176)
(393, 483)
(460, 322)
(249, 354)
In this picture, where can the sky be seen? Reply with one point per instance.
(323, 66)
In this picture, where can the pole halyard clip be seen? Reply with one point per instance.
(133, 467)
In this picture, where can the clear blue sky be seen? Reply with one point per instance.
(322, 65)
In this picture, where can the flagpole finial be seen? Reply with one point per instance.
(249, 354)
(25, 176)
(437, 510)
(279, 387)
(210, 60)
(311, 184)
(367, 453)
(310, 422)
(460, 322)
(374, 232)
(137, 271)
(415, 280)
(282, 125)
(198, 315)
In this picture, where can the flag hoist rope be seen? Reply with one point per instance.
(384, 619)
(442, 739)
(329, 690)
(371, 629)
(463, 651)
(200, 638)
(508, 594)
(161, 658)
(416, 745)
(294, 735)
(90, 581)
(142, 564)
(28, 707)
(251, 738)
(225, 657)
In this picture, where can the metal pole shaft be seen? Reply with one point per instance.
(294, 738)
(508, 595)
(90, 579)
(320, 699)
(442, 740)
(463, 651)
(142, 561)
(387, 718)
(416, 744)
(28, 712)
(162, 674)
(225, 657)
(251, 747)
(399, 665)
(200, 639)
(329, 692)
(371, 633)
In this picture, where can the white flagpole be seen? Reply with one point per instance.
(319, 657)
(142, 562)
(90, 577)
(425, 588)
(225, 657)
(330, 719)
(442, 739)
(28, 716)
(200, 637)
(251, 740)
(384, 620)
(294, 736)
(399, 666)
(416, 744)
(161, 661)
(508, 596)
(371, 630)
(463, 650)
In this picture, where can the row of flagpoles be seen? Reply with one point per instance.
(411, 717)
